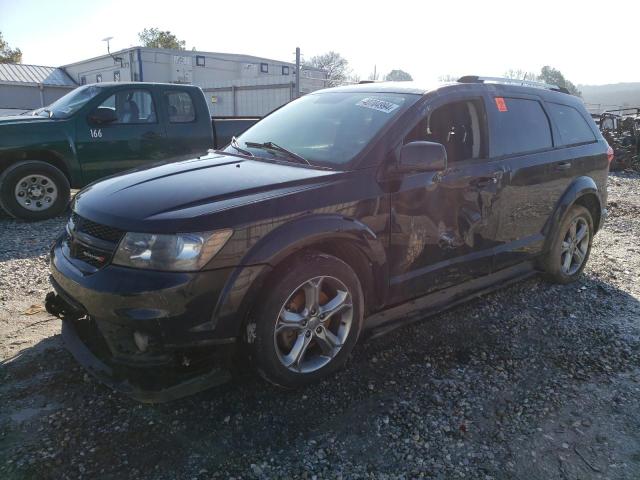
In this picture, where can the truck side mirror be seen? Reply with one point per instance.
(102, 115)
(422, 157)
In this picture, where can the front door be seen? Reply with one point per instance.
(134, 139)
(444, 225)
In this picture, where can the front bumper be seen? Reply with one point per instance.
(104, 310)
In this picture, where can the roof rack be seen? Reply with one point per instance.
(511, 81)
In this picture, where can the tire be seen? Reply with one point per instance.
(569, 243)
(301, 331)
(33, 190)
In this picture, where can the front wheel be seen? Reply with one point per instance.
(33, 190)
(309, 322)
(571, 246)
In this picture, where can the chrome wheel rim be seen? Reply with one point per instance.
(574, 246)
(313, 324)
(36, 192)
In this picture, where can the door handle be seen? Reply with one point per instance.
(486, 181)
(563, 166)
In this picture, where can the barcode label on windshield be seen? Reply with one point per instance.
(377, 104)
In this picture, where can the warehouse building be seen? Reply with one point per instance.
(234, 84)
(27, 87)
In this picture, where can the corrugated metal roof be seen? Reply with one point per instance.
(34, 74)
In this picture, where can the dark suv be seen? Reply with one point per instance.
(338, 213)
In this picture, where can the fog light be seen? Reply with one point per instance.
(141, 340)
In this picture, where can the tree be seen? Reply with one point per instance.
(8, 54)
(156, 38)
(336, 66)
(448, 78)
(398, 76)
(555, 77)
(520, 74)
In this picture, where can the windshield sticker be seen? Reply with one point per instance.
(377, 104)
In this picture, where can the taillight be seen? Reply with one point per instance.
(609, 154)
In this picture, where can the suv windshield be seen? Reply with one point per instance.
(326, 128)
(66, 106)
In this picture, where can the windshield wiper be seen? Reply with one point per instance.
(236, 145)
(278, 148)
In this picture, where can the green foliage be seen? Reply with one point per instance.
(398, 76)
(8, 54)
(156, 38)
(555, 77)
(336, 66)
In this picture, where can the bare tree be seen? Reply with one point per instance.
(336, 66)
(448, 78)
(520, 74)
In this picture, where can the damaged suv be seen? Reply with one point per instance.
(337, 214)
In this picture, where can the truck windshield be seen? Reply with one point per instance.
(328, 128)
(66, 106)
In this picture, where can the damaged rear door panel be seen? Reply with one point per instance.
(445, 226)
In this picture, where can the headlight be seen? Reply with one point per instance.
(179, 252)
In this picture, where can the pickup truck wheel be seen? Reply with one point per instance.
(33, 190)
(571, 246)
(309, 322)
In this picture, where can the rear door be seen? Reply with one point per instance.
(525, 138)
(134, 139)
(444, 224)
(188, 123)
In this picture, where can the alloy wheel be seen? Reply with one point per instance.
(313, 324)
(575, 246)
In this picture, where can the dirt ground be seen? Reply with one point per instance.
(536, 381)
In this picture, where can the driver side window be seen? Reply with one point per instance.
(459, 126)
(131, 107)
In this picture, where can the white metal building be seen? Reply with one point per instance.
(234, 84)
(27, 87)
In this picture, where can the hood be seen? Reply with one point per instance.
(194, 195)
(19, 119)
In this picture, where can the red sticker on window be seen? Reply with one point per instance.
(501, 104)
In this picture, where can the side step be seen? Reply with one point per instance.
(414, 310)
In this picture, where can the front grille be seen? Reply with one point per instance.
(91, 242)
(94, 257)
(103, 232)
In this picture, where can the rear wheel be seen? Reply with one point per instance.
(33, 190)
(571, 246)
(309, 322)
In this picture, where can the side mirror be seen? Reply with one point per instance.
(422, 157)
(102, 115)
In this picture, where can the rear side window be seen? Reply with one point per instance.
(180, 106)
(572, 125)
(521, 126)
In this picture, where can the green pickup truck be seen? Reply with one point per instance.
(99, 130)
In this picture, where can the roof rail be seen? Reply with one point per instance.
(363, 82)
(511, 81)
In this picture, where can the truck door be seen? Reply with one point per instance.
(444, 225)
(134, 138)
(188, 124)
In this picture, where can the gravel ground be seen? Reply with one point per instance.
(537, 381)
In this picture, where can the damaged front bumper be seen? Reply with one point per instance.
(150, 335)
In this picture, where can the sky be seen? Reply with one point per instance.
(428, 39)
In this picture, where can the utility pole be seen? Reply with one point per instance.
(297, 72)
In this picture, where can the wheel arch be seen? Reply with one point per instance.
(8, 159)
(582, 191)
(345, 238)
